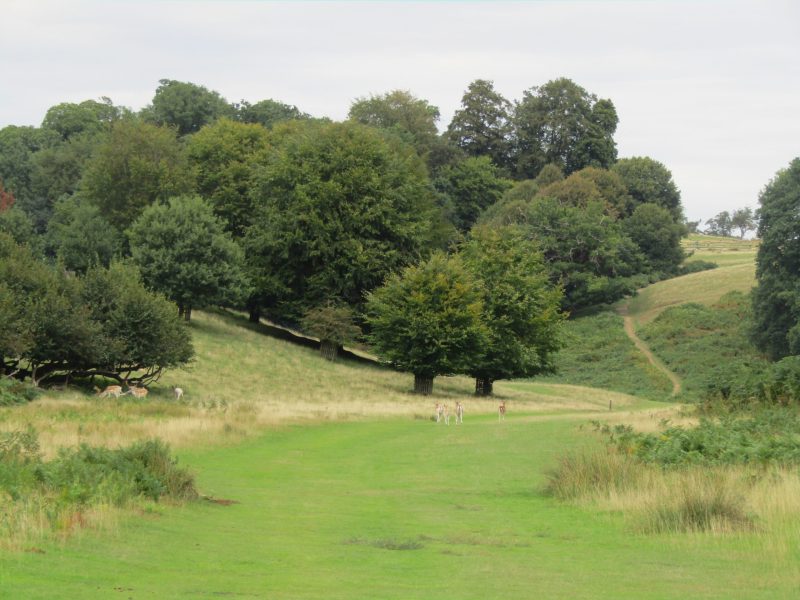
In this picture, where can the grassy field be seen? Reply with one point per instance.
(399, 508)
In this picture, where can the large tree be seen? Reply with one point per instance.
(776, 298)
(658, 236)
(183, 251)
(428, 320)
(520, 306)
(80, 237)
(268, 112)
(649, 181)
(18, 146)
(414, 119)
(482, 126)
(744, 220)
(338, 207)
(69, 119)
(187, 106)
(137, 164)
(561, 123)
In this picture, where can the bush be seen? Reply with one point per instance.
(696, 266)
(15, 392)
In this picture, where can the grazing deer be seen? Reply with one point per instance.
(111, 390)
(501, 411)
(459, 413)
(138, 392)
(178, 393)
(439, 409)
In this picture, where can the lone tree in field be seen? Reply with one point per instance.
(520, 306)
(184, 252)
(333, 325)
(428, 320)
(776, 298)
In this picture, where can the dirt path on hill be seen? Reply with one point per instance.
(630, 331)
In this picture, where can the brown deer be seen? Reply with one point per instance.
(459, 413)
(501, 411)
(111, 390)
(446, 414)
(138, 392)
(439, 409)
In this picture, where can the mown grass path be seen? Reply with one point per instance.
(394, 509)
(630, 331)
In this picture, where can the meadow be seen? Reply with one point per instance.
(332, 480)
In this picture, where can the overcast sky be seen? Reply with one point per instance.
(709, 88)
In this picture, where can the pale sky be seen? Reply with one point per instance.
(709, 88)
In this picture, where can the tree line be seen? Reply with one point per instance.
(263, 207)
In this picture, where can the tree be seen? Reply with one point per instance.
(187, 106)
(482, 126)
(470, 186)
(80, 237)
(652, 228)
(268, 112)
(649, 181)
(18, 145)
(721, 224)
(743, 220)
(136, 165)
(428, 320)
(413, 119)
(520, 306)
(183, 251)
(561, 123)
(68, 119)
(776, 298)
(338, 207)
(19, 226)
(223, 155)
(334, 326)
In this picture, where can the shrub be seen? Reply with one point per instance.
(15, 392)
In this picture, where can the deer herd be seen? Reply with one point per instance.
(443, 412)
(133, 390)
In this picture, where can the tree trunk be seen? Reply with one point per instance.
(329, 350)
(187, 313)
(180, 311)
(423, 384)
(483, 386)
(255, 314)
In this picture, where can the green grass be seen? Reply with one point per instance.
(394, 509)
(599, 354)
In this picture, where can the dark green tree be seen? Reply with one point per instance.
(520, 306)
(561, 123)
(658, 236)
(186, 106)
(136, 165)
(413, 119)
(16, 223)
(649, 181)
(268, 112)
(720, 224)
(69, 119)
(18, 146)
(482, 126)
(79, 237)
(776, 298)
(469, 187)
(183, 251)
(338, 207)
(334, 325)
(428, 320)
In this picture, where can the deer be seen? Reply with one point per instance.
(446, 414)
(501, 411)
(439, 409)
(178, 392)
(111, 390)
(459, 413)
(138, 392)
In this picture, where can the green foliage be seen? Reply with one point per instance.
(482, 126)
(411, 118)
(649, 181)
(338, 207)
(521, 307)
(268, 112)
(470, 186)
(18, 145)
(223, 155)
(136, 165)
(428, 320)
(561, 123)
(776, 299)
(331, 323)
(79, 237)
(184, 252)
(16, 223)
(15, 392)
(69, 120)
(658, 236)
(695, 266)
(186, 106)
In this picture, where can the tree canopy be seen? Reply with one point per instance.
(187, 106)
(649, 181)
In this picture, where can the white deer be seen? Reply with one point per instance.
(178, 393)
(446, 415)
(439, 409)
(111, 390)
(459, 413)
